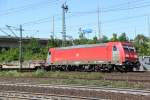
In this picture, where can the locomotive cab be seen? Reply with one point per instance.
(124, 56)
(130, 57)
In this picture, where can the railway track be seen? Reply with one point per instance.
(42, 91)
(39, 96)
(87, 88)
(129, 77)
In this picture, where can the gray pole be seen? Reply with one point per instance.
(64, 10)
(53, 27)
(99, 22)
(63, 25)
(20, 48)
(135, 33)
(148, 27)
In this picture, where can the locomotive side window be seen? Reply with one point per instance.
(132, 49)
(49, 53)
(114, 48)
(128, 49)
(48, 60)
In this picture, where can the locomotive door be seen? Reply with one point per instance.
(115, 55)
(48, 60)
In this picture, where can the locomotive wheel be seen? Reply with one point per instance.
(98, 68)
(137, 65)
(71, 68)
(107, 68)
(110, 68)
(130, 69)
(121, 69)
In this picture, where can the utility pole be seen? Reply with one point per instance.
(64, 11)
(53, 33)
(148, 26)
(99, 22)
(135, 33)
(20, 42)
(20, 48)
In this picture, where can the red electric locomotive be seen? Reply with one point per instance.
(94, 57)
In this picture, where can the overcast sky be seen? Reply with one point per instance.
(117, 16)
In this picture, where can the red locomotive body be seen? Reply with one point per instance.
(107, 56)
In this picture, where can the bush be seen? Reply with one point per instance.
(12, 74)
(39, 73)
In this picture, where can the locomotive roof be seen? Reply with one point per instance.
(83, 46)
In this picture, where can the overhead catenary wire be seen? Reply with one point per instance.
(115, 7)
(9, 28)
(47, 2)
(23, 8)
(74, 14)
(115, 20)
(78, 13)
(14, 29)
(126, 4)
(109, 9)
(4, 32)
(44, 20)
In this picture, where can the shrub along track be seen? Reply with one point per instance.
(83, 78)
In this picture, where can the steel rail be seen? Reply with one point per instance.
(144, 92)
(40, 96)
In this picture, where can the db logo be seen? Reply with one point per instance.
(77, 55)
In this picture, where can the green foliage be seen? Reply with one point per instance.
(9, 74)
(114, 37)
(39, 73)
(8, 55)
(34, 51)
(104, 39)
(141, 43)
(123, 37)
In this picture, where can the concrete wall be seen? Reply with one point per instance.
(8, 42)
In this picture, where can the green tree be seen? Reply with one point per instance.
(104, 39)
(95, 39)
(141, 44)
(123, 37)
(114, 37)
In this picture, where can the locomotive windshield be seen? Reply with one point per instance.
(132, 49)
(128, 49)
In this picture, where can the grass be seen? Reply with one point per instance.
(57, 74)
(71, 78)
(102, 83)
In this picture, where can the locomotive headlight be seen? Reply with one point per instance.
(126, 55)
(135, 56)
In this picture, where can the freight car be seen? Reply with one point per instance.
(120, 56)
